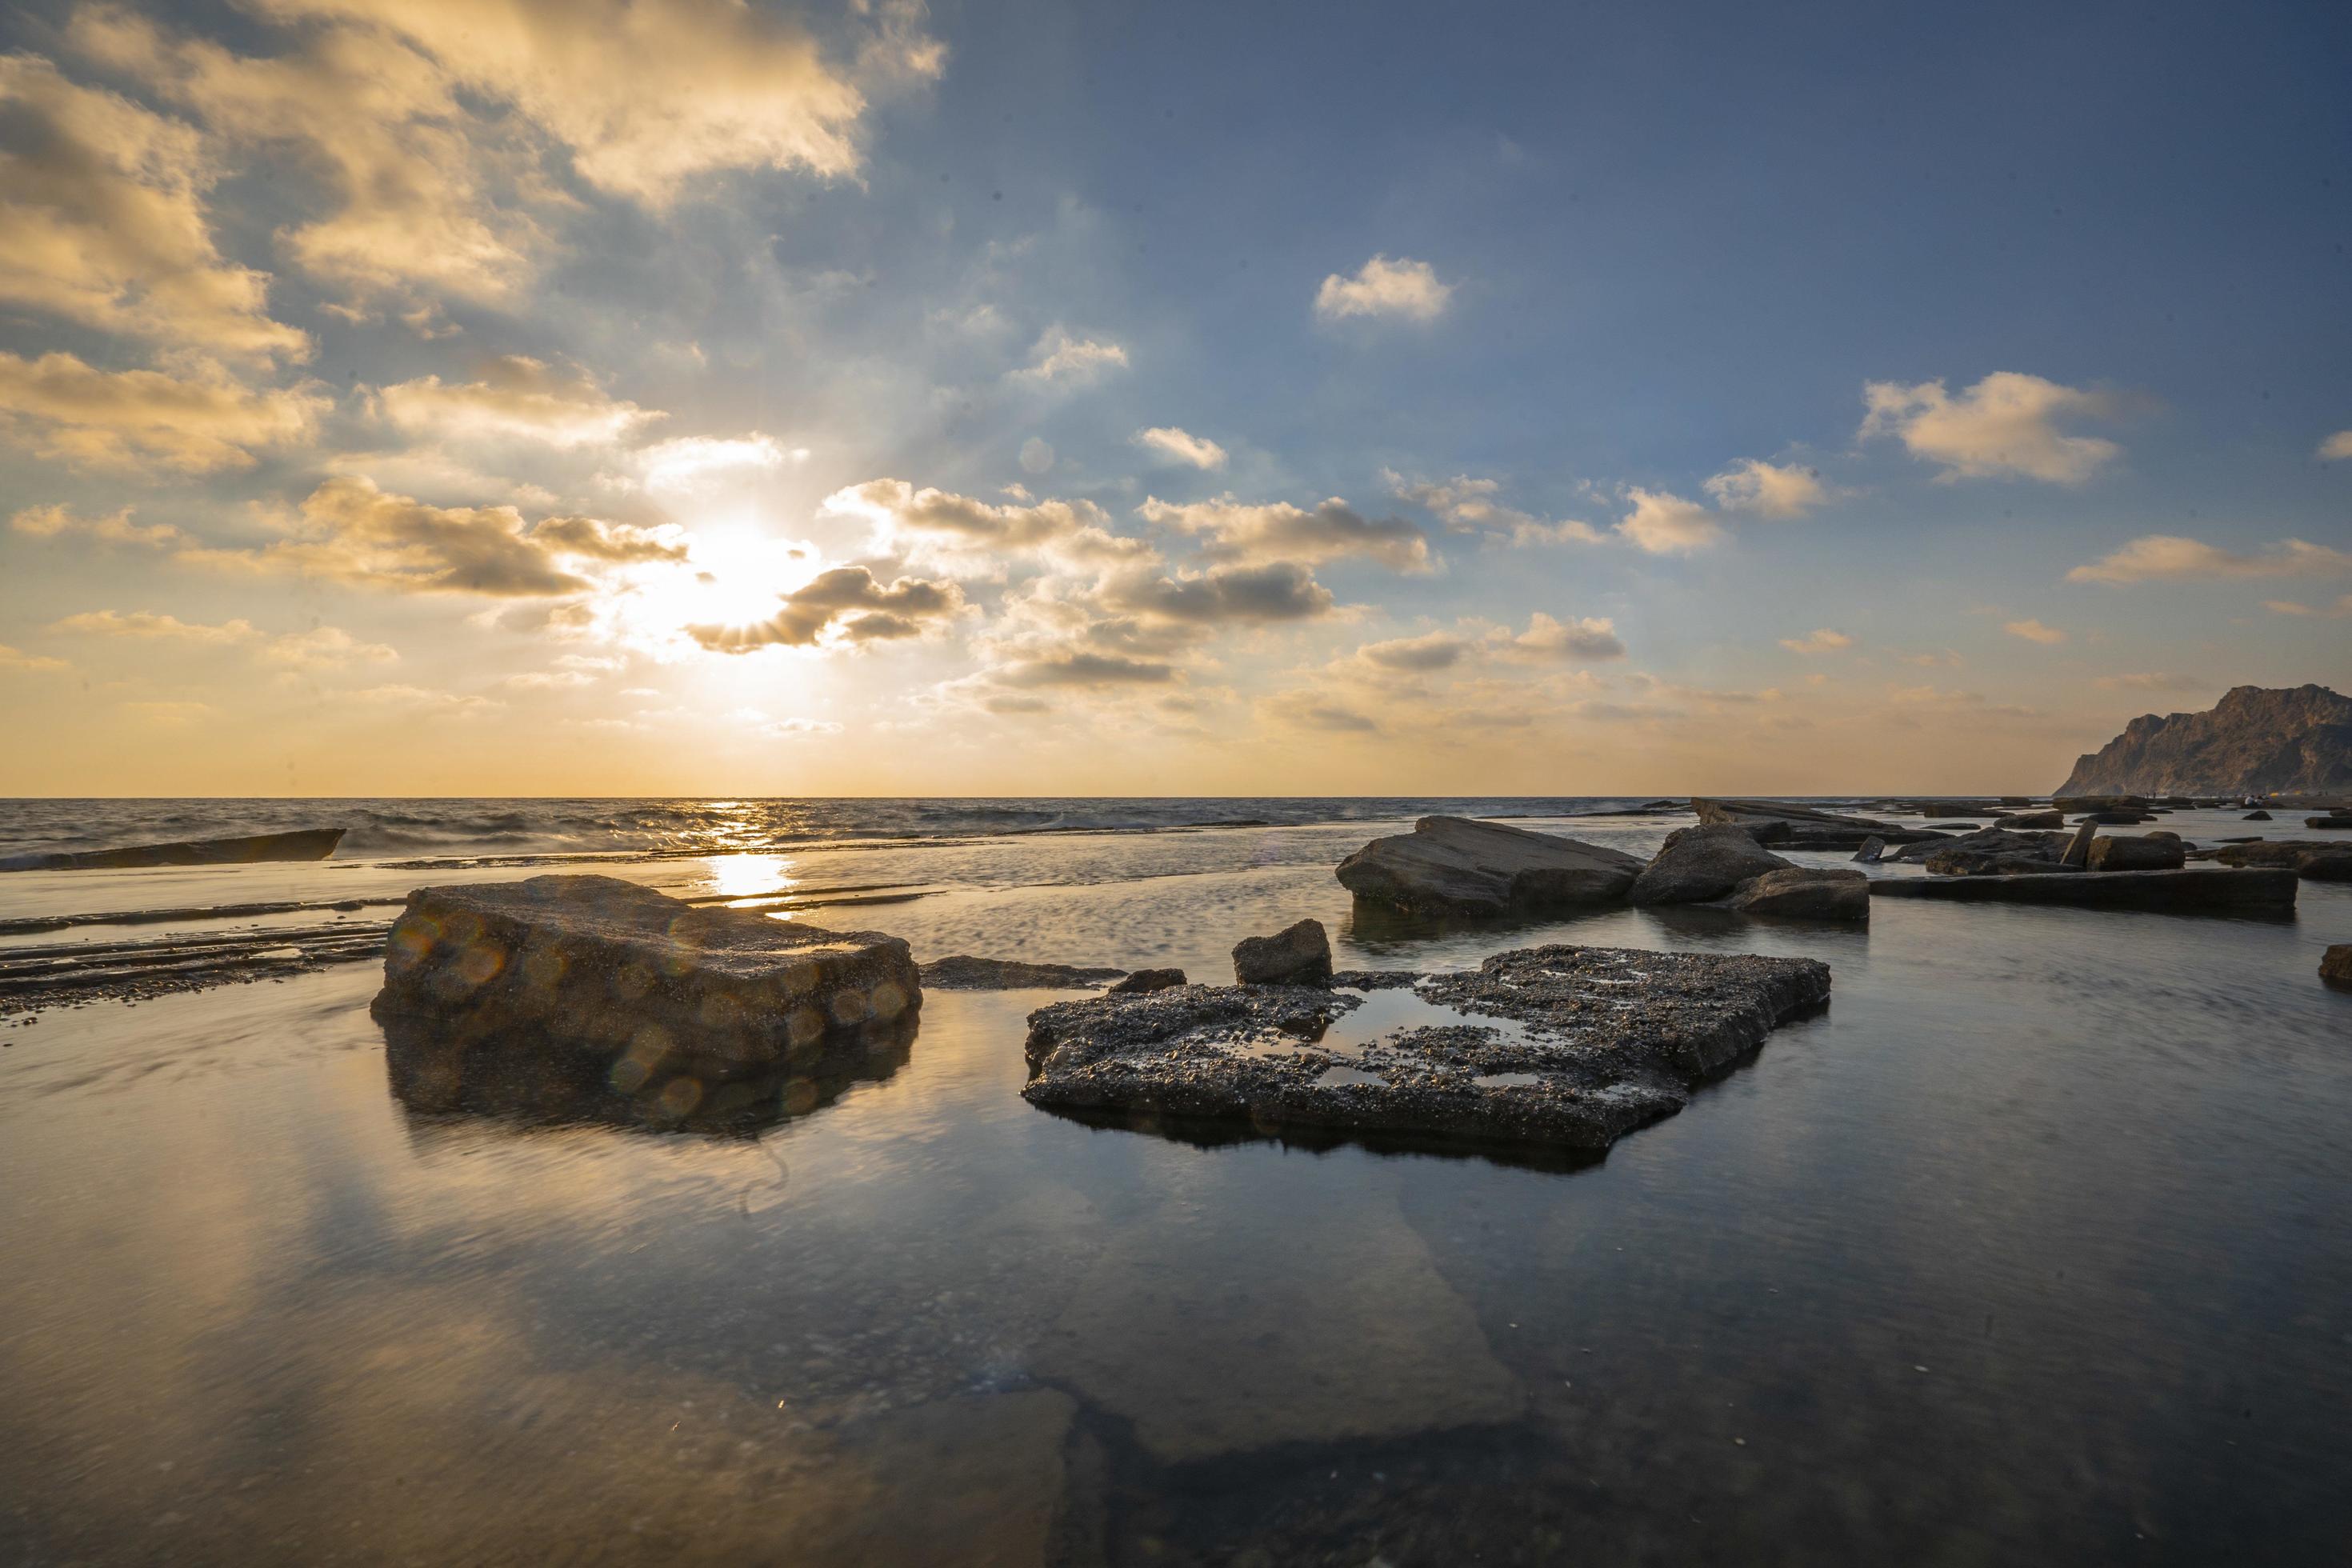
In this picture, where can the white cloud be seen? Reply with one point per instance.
(1277, 531)
(2342, 607)
(2034, 631)
(29, 663)
(1062, 358)
(1770, 489)
(1467, 505)
(939, 520)
(515, 396)
(197, 422)
(1820, 639)
(102, 222)
(2336, 446)
(321, 647)
(2166, 555)
(844, 606)
(1587, 637)
(1664, 523)
(114, 527)
(1182, 445)
(1384, 288)
(2005, 424)
(2153, 681)
(1437, 650)
(686, 465)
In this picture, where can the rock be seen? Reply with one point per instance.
(2253, 742)
(2149, 854)
(2078, 850)
(2256, 816)
(1807, 892)
(1377, 979)
(1697, 864)
(1801, 826)
(2019, 821)
(1454, 865)
(963, 972)
(1872, 850)
(2115, 818)
(1552, 1046)
(599, 965)
(2336, 964)
(2191, 888)
(308, 844)
(1983, 842)
(2338, 821)
(1146, 980)
(1955, 827)
(1940, 807)
(1298, 955)
(2315, 862)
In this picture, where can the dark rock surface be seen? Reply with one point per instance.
(1802, 827)
(2336, 964)
(1805, 892)
(1564, 1045)
(2317, 861)
(2152, 852)
(2254, 740)
(2024, 820)
(2256, 816)
(1698, 864)
(1454, 865)
(306, 844)
(2191, 888)
(2333, 820)
(645, 981)
(961, 971)
(1377, 979)
(1957, 857)
(1297, 955)
(1147, 980)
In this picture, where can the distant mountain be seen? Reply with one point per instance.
(2256, 740)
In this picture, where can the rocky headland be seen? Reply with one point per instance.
(2254, 740)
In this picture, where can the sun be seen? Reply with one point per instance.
(735, 573)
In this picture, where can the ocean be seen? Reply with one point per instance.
(2031, 1247)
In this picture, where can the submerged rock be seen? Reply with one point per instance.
(1147, 980)
(1560, 1045)
(306, 844)
(2256, 816)
(604, 965)
(2338, 820)
(1697, 864)
(962, 971)
(1805, 892)
(2315, 861)
(2190, 887)
(1454, 865)
(1297, 955)
(2336, 964)
(2024, 820)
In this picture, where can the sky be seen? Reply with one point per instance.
(677, 396)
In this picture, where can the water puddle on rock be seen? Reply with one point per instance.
(1382, 1016)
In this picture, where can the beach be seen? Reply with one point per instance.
(2028, 1246)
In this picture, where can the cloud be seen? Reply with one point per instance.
(1664, 523)
(2034, 631)
(2165, 556)
(844, 605)
(421, 699)
(1466, 505)
(199, 421)
(166, 715)
(1820, 639)
(29, 663)
(1061, 358)
(1083, 669)
(1933, 661)
(2336, 446)
(1310, 710)
(1278, 590)
(1768, 488)
(350, 531)
(102, 222)
(1437, 650)
(114, 527)
(1590, 637)
(2342, 607)
(686, 464)
(2004, 425)
(894, 507)
(2153, 682)
(514, 396)
(321, 647)
(1384, 288)
(1182, 445)
(1279, 531)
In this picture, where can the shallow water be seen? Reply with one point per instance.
(2032, 1247)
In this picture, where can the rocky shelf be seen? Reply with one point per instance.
(1563, 1045)
(2189, 888)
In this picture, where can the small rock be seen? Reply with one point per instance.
(1300, 955)
(1808, 892)
(2336, 964)
(2025, 821)
(2257, 816)
(1697, 864)
(2136, 854)
(1144, 980)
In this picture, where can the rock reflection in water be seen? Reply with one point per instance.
(435, 1070)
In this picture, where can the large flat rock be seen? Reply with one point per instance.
(1784, 826)
(609, 966)
(1457, 865)
(2189, 888)
(1563, 1046)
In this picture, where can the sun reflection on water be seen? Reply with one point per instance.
(749, 876)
